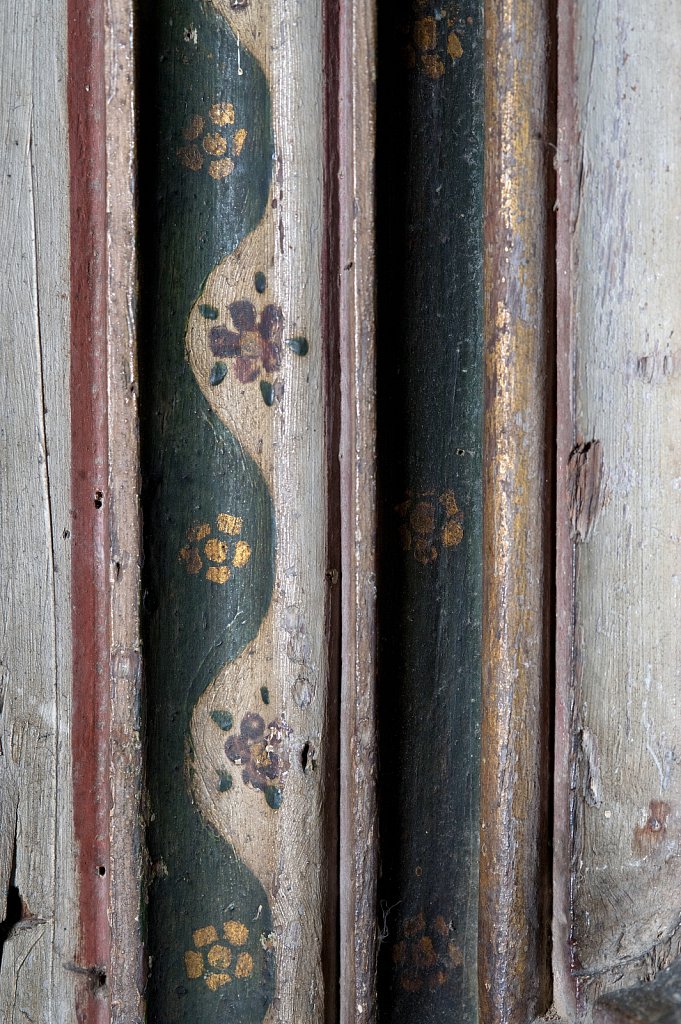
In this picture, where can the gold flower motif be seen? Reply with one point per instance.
(214, 150)
(211, 958)
(215, 556)
(431, 41)
(424, 957)
(429, 521)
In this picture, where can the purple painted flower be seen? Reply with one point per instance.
(254, 344)
(260, 751)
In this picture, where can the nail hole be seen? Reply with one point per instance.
(97, 977)
(98, 499)
(101, 870)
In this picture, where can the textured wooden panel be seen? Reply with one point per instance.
(358, 825)
(38, 885)
(655, 1002)
(514, 868)
(90, 500)
(126, 969)
(429, 246)
(618, 885)
(235, 510)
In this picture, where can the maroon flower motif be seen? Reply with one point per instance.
(425, 956)
(260, 751)
(254, 344)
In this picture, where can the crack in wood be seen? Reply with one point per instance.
(585, 488)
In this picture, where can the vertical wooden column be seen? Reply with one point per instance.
(618, 785)
(430, 397)
(90, 501)
(358, 817)
(240, 578)
(514, 838)
(127, 975)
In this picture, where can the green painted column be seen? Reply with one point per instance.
(430, 400)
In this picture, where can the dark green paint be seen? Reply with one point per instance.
(267, 392)
(209, 312)
(265, 694)
(429, 190)
(299, 345)
(225, 781)
(223, 719)
(194, 469)
(274, 797)
(260, 282)
(218, 373)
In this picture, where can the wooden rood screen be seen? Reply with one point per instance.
(340, 505)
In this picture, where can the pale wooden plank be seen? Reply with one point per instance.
(127, 970)
(36, 980)
(618, 723)
(358, 753)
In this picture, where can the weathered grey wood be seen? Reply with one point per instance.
(36, 848)
(618, 883)
(654, 1002)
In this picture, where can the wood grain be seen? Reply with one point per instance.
(90, 542)
(655, 1002)
(358, 820)
(126, 969)
(618, 887)
(514, 870)
(38, 877)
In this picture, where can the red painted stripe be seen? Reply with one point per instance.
(89, 499)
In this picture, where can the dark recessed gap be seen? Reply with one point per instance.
(14, 912)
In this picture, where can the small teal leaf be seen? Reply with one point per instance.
(267, 392)
(222, 719)
(260, 282)
(209, 312)
(218, 373)
(298, 345)
(224, 781)
(274, 797)
(265, 694)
